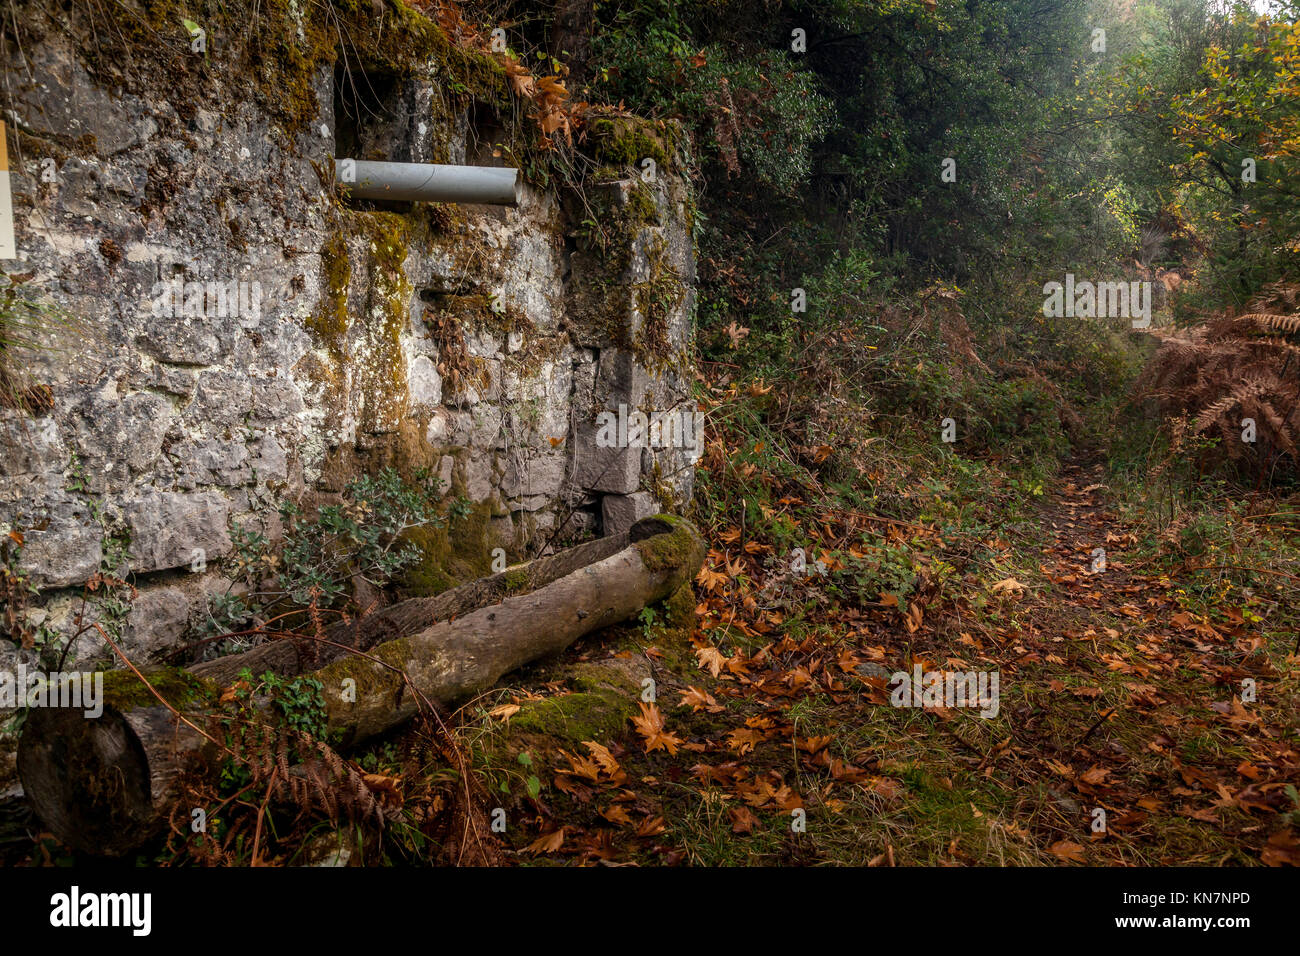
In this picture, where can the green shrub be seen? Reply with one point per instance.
(319, 559)
(754, 112)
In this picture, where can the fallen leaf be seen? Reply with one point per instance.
(1068, 851)
(618, 815)
(711, 659)
(602, 756)
(546, 843)
(743, 820)
(504, 711)
(697, 699)
(650, 725)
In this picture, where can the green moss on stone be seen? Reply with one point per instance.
(587, 715)
(626, 140)
(679, 609)
(641, 206)
(604, 676)
(449, 555)
(371, 678)
(124, 691)
(602, 295)
(331, 320)
(656, 299)
(381, 371)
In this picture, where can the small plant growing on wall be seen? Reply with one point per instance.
(25, 324)
(321, 559)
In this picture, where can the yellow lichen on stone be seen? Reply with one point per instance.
(377, 353)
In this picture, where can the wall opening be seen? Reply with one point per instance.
(371, 121)
(367, 114)
(485, 141)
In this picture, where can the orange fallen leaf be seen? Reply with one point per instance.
(742, 740)
(743, 820)
(602, 756)
(618, 815)
(1283, 849)
(1068, 851)
(650, 725)
(695, 698)
(1095, 775)
(651, 826)
(387, 789)
(711, 659)
(546, 843)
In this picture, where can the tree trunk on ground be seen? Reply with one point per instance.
(287, 657)
(106, 785)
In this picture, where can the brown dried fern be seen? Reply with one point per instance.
(1268, 322)
(1232, 368)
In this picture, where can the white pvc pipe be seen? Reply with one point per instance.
(429, 182)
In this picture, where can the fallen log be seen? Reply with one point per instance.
(106, 785)
(287, 657)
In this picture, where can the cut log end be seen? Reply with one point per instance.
(649, 527)
(88, 779)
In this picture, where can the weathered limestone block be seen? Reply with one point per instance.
(214, 462)
(597, 468)
(487, 427)
(620, 379)
(223, 398)
(30, 446)
(619, 512)
(64, 100)
(63, 543)
(479, 475)
(532, 504)
(542, 475)
(180, 340)
(116, 437)
(167, 529)
(157, 621)
(425, 382)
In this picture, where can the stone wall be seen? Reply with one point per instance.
(480, 342)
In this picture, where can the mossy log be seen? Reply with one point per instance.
(452, 661)
(106, 785)
(406, 617)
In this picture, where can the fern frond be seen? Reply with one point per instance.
(1214, 413)
(1267, 321)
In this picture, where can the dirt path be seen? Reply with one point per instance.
(1165, 728)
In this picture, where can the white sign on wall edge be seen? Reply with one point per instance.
(7, 248)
